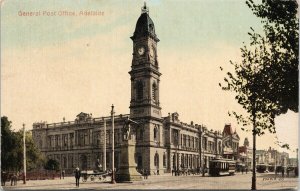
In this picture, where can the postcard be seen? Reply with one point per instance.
(154, 94)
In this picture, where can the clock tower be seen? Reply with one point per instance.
(145, 75)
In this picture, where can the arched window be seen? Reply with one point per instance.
(220, 148)
(155, 133)
(156, 160)
(164, 160)
(154, 91)
(139, 90)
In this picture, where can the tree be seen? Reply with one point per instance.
(281, 36)
(8, 143)
(247, 83)
(35, 159)
(12, 149)
(52, 164)
(266, 80)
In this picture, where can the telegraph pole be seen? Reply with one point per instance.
(253, 186)
(113, 144)
(24, 154)
(104, 149)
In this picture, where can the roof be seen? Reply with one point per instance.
(82, 114)
(144, 26)
(228, 129)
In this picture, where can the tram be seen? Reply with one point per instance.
(219, 167)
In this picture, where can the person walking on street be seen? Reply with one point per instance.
(63, 174)
(77, 176)
(13, 179)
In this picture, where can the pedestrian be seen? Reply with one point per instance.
(63, 174)
(3, 178)
(282, 172)
(77, 176)
(242, 170)
(246, 170)
(287, 172)
(13, 179)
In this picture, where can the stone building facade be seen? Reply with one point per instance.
(230, 142)
(162, 143)
(79, 143)
(246, 154)
(272, 158)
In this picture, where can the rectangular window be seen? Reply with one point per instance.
(71, 139)
(205, 142)
(193, 143)
(107, 137)
(175, 136)
(181, 139)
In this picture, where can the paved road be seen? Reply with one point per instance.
(239, 181)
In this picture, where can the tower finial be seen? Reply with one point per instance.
(145, 8)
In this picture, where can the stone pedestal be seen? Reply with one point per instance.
(127, 171)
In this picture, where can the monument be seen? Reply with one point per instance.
(127, 171)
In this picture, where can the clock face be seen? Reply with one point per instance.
(141, 50)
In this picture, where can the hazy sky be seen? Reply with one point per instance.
(58, 66)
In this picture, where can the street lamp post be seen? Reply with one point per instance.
(24, 154)
(113, 144)
(104, 145)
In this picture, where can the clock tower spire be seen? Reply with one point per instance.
(145, 75)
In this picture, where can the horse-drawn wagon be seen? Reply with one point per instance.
(94, 175)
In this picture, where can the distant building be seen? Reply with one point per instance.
(246, 154)
(293, 162)
(230, 143)
(272, 158)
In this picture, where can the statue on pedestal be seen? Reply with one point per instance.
(127, 171)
